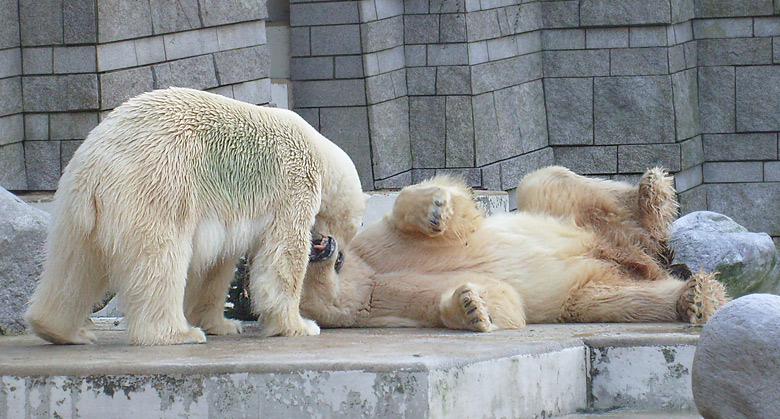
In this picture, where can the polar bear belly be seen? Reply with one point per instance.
(214, 240)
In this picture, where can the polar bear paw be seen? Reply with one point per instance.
(472, 309)
(703, 296)
(436, 211)
(223, 327)
(301, 327)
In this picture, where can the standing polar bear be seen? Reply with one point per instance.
(167, 193)
(578, 250)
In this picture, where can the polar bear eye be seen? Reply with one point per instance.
(339, 262)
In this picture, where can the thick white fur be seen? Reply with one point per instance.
(436, 261)
(167, 193)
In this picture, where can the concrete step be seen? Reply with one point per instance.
(637, 414)
(540, 371)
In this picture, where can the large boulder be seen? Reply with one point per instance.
(736, 367)
(747, 262)
(22, 235)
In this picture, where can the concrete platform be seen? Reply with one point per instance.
(541, 371)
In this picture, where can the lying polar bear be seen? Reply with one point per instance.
(579, 250)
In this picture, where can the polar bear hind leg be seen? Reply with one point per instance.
(204, 299)
(702, 297)
(73, 280)
(482, 305)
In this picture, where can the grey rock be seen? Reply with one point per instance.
(22, 236)
(633, 110)
(747, 262)
(735, 370)
(569, 110)
(758, 98)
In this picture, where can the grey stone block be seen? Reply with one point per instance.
(116, 55)
(421, 81)
(311, 68)
(527, 42)
(640, 157)
(174, 16)
(471, 176)
(389, 8)
(505, 73)
(717, 99)
(75, 92)
(753, 205)
(692, 200)
(300, 42)
(691, 153)
(335, 40)
(40, 22)
(520, 18)
(348, 128)
(735, 147)
(447, 6)
(10, 96)
(241, 35)
(395, 182)
(427, 131)
(531, 117)
(380, 88)
(624, 12)
(391, 150)
(195, 73)
(13, 176)
(11, 129)
(36, 126)
(382, 34)
(42, 159)
(320, 13)
(647, 36)
(491, 177)
(682, 10)
(79, 22)
(588, 159)
(460, 132)
(733, 172)
(452, 27)
(723, 28)
(9, 33)
(347, 67)
(72, 126)
(691, 50)
(226, 91)
(688, 179)
(606, 38)
(512, 170)
(638, 61)
(118, 86)
(569, 110)
(478, 52)
(421, 29)
(221, 12)
(482, 25)
(766, 26)
(256, 92)
(415, 55)
(68, 60)
(448, 54)
(10, 62)
(732, 8)
(583, 63)
(37, 60)
(758, 98)
(772, 171)
(149, 50)
(561, 14)
(315, 94)
(776, 50)
(120, 19)
(416, 6)
(683, 32)
(501, 48)
(311, 115)
(736, 51)
(486, 135)
(190, 43)
(686, 104)
(676, 58)
(563, 39)
(453, 80)
(67, 148)
(633, 110)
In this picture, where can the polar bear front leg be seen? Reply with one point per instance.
(423, 209)
(276, 280)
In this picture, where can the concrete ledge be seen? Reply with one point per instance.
(541, 371)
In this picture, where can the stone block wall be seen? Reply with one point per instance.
(65, 63)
